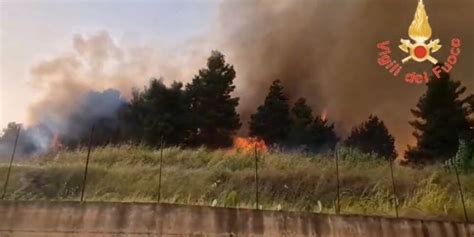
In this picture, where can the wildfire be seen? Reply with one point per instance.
(247, 145)
(324, 115)
(56, 143)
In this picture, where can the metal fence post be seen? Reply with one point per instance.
(11, 163)
(256, 176)
(461, 193)
(161, 164)
(395, 195)
(84, 181)
(338, 201)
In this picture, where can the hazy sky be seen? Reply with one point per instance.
(35, 30)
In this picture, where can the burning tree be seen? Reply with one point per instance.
(307, 132)
(323, 137)
(214, 119)
(276, 124)
(272, 120)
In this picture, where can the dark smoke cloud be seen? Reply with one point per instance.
(75, 86)
(89, 109)
(325, 50)
(74, 89)
(92, 109)
(92, 81)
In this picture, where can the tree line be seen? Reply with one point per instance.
(204, 113)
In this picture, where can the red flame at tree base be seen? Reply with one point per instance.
(248, 145)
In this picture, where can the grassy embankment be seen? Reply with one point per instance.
(293, 182)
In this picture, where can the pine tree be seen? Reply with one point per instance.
(272, 121)
(322, 135)
(214, 118)
(441, 118)
(301, 113)
(311, 134)
(157, 111)
(372, 136)
(301, 119)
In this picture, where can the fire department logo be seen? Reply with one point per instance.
(420, 32)
(418, 50)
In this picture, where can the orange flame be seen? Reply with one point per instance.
(324, 115)
(247, 145)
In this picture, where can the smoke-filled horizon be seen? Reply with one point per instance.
(326, 51)
(322, 50)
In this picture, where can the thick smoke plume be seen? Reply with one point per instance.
(325, 50)
(89, 84)
(69, 125)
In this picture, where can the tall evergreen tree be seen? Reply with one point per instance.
(157, 111)
(213, 110)
(307, 132)
(372, 136)
(441, 118)
(272, 120)
(322, 135)
(301, 119)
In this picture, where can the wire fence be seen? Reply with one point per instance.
(256, 155)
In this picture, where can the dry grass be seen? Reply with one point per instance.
(293, 182)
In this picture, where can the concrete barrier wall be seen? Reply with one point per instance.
(133, 219)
